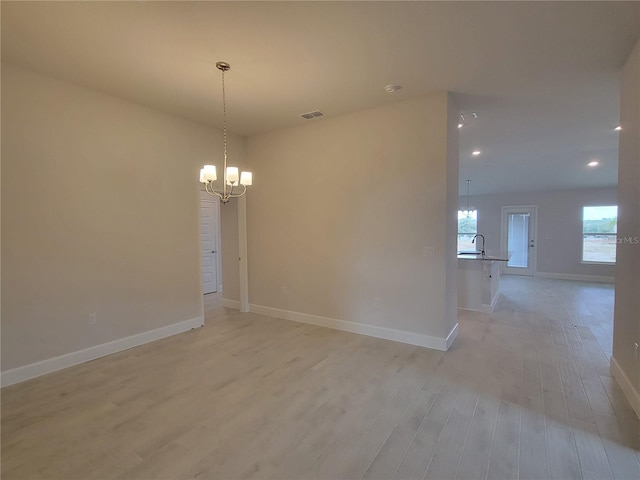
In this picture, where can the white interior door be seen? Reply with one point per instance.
(519, 239)
(209, 242)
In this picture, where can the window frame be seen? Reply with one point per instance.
(461, 212)
(584, 234)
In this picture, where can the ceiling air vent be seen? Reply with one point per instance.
(310, 115)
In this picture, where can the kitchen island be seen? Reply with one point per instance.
(479, 280)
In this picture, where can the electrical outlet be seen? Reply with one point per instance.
(427, 251)
(376, 302)
(93, 318)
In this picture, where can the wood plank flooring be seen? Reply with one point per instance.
(524, 393)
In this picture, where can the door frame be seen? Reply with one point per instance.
(533, 235)
(206, 198)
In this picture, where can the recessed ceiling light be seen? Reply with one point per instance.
(593, 163)
(618, 128)
(392, 88)
(475, 153)
(460, 125)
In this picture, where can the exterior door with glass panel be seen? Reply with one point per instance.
(519, 239)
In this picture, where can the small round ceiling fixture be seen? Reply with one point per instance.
(593, 163)
(475, 153)
(392, 88)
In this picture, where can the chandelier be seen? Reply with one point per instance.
(230, 179)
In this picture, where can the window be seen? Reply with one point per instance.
(467, 228)
(599, 228)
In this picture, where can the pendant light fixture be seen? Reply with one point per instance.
(467, 211)
(230, 178)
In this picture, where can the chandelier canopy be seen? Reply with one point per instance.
(231, 178)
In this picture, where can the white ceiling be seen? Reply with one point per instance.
(543, 76)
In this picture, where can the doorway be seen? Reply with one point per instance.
(518, 239)
(210, 243)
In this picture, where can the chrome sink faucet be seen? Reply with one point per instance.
(474, 241)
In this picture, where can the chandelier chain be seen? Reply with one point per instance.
(224, 122)
(224, 133)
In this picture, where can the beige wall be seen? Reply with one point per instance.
(99, 214)
(344, 210)
(627, 308)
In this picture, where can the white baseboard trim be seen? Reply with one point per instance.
(226, 302)
(627, 387)
(402, 336)
(452, 336)
(579, 278)
(494, 301)
(485, 308)
(26, 372)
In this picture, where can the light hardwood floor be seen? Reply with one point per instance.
(524, 393)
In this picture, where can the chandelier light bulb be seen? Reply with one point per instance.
(246, 179)
(232, 175)
(208, 174)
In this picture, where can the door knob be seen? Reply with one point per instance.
(213, 251)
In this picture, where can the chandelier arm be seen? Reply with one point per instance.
(244, 190)
(211, 191)
(225, 196)
(236, 195)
